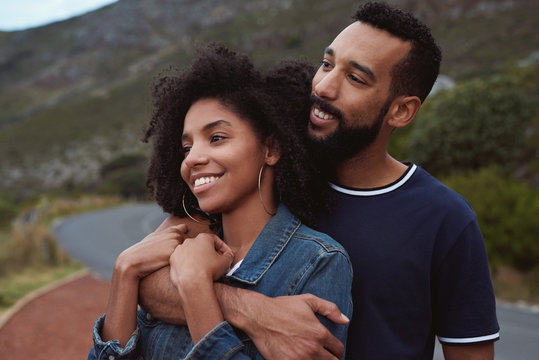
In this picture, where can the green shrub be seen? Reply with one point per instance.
(508, 214)
(123, 162)
(8, 211)
(128, 183)
(125, 176)
(480, 123)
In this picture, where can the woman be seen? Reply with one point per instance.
(227, 130)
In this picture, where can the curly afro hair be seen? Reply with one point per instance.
(417, 72)
(271, 103)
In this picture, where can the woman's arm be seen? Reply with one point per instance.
(194, 267)
(134, 263)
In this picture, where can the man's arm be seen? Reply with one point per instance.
(484, 351)
(285, 327)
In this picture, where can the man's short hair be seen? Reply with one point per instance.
(416, 73)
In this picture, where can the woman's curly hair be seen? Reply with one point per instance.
(271, 102)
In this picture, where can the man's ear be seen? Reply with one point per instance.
(273, 151)
(403, 111)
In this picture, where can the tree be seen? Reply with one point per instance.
(479, 123)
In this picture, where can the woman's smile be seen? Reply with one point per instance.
(202, 183)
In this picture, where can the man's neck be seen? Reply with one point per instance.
(369, 169)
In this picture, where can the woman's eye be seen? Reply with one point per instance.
(215, 138)
(186, 149)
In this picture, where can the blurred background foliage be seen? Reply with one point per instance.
(74, 100)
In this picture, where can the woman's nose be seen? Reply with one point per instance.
(196, 156)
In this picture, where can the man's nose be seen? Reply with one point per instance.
(327, 86)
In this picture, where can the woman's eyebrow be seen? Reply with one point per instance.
(216, 123)
(209, 126)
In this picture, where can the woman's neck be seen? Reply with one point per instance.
(242, 226)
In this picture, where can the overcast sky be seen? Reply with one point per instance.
(22, 14)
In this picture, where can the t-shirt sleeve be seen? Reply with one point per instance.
(330, 278)
(464, 303)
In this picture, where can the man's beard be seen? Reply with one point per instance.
(345, 142)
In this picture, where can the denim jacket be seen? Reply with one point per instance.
(287, 258)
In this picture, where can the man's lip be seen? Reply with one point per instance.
(318, 121)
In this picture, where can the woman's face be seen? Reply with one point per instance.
(223, 157)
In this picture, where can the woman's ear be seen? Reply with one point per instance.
(273, 151)
(404, 110)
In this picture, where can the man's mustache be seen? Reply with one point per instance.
(327, 108)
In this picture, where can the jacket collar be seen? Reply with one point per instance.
(268, 245)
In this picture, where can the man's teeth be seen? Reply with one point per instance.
(205, 180)
(323, 115)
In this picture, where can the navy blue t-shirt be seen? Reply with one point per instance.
(420, 268)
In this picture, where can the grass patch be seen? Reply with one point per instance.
(29, 254)
(15, 286)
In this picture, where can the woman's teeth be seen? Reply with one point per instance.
(205, 180)
(323, 115)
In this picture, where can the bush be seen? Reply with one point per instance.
(8, 211)
(125, 176)
(479, 123)
(128, 183)
(507, 212)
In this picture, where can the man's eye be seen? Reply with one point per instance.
(355, 78)
(325, 64)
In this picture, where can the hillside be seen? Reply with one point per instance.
(75, 94)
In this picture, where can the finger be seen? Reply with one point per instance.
(327, 309)
(220, 245)
(326, 355)
(182, 228)
(334, 346)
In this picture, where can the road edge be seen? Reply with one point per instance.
(32, 295)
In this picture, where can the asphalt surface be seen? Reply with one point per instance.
(96, 239)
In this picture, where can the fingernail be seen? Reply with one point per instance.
(345, 318)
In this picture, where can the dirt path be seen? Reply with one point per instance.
(56, 324)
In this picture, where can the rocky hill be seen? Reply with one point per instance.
(74, 94)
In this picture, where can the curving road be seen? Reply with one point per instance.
(96, 239)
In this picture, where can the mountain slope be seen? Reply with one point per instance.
(76, 93)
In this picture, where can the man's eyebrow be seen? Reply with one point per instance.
(210, 126)
(364, 69)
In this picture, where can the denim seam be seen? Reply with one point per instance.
(203, 341)
(231, 351)
(303, 274)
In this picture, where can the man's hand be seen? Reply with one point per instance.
(285, 327)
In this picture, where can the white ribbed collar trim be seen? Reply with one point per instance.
(234, 268)
(377, 191)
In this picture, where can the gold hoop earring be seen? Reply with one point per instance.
(260, 192)
(187, 212)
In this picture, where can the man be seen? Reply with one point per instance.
(420, 267)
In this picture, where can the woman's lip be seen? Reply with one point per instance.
(200, 188)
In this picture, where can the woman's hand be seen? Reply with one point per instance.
(203, 258)
(194, 266)
(151, 253)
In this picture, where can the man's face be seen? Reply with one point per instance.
(351, 90)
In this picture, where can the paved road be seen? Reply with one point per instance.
(97, 238)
